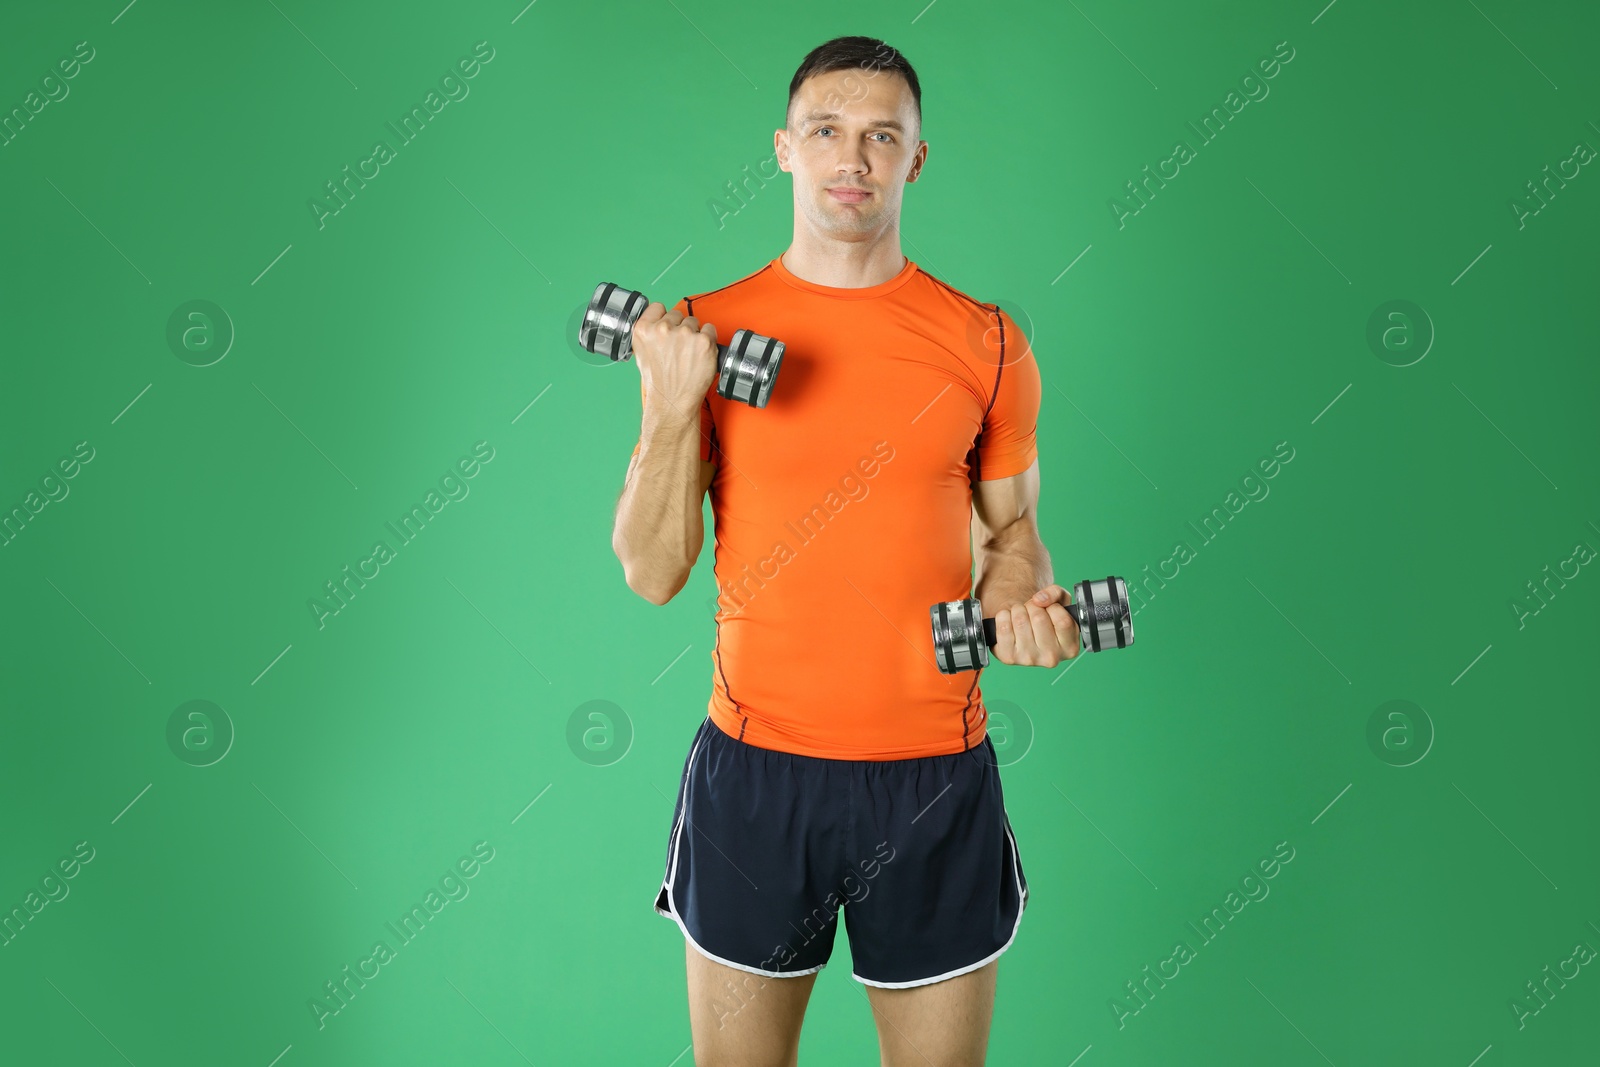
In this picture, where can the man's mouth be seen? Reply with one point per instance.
(846, 194)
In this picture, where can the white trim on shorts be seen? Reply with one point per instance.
(671, 877)
(1022, 900)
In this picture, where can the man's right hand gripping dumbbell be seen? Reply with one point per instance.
(745, 369)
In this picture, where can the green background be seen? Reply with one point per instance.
(371, 753)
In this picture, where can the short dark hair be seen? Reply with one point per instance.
(867, 53)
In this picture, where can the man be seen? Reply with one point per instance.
(837, 767)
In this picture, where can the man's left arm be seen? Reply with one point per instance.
(1014, 582)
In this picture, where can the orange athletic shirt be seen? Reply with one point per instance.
(843, 509)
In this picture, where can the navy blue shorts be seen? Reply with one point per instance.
(767, 846)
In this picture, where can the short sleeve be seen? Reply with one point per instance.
(1008, 444)
(706, 427)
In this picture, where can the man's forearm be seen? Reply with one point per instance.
(658, 529)
(1010, 567)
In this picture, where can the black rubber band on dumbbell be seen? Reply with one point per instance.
(730, 371)
(629, 317)
(940, 633)
(972, 625)
(600, 301)
(1119, 609)
(761, 368)
(1088, 609)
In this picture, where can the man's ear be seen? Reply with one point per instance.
(780, 147)
(918, 162)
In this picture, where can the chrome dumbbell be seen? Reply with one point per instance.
(962, 638)
(746, 369)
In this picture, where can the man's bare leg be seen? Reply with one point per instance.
(944, 1024)
(740, 1019)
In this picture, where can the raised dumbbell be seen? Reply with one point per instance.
(746, 369)
(962, 639)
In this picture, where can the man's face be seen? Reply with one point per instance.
(851, 145)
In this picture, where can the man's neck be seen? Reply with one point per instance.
(846, 265)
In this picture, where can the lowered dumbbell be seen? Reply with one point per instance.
(962, 638)
(746, 369)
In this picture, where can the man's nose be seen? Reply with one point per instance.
(851, 161)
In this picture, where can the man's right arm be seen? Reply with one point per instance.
(658, 530)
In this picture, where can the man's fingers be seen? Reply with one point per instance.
(1046, 646)
(1030, 635)
(1068, 643)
